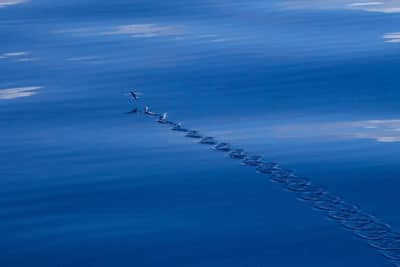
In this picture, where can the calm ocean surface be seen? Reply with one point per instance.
(310, 84)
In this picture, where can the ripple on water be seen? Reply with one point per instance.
(298, 184)
(343, 212)
(357, 221)
(193, 134)
(327, 201)
(393, 254)
(374, 230)
(312, 193)
(281, 176)
(267, 167)
(179, 128)
(224, 147)
(237, 154)
(390, 240)
(208, 140)
(252, 160)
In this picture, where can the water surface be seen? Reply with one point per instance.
(309, 84)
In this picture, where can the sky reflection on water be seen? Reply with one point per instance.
(309, 84)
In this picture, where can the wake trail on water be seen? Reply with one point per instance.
(379, 235)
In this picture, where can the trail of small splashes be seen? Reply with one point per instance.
(378, 234)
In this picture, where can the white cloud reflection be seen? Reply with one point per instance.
(150, 30)
(393, 37)
(12, 93)
(15, 54)
(19, 56)
(85, 58)
(6, 3)
(143, 30)
(27, 59)
(385, 131)
(366, 4)
(388, 6)
(131, 30)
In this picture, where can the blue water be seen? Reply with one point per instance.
(310, 84)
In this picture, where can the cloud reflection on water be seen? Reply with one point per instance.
(143, 30)
(385, 131)
(12, 93)
(6, 3)
(393, 37)
(132, 30)
(18, 56)
(388, 6)
(150, 30)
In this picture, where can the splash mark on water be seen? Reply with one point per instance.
(376, 233)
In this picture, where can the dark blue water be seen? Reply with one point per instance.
(310, 84)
